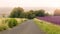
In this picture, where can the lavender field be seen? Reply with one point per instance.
(52, 19)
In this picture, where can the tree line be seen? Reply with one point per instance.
(19, 13)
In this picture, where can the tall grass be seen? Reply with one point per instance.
(6, 22)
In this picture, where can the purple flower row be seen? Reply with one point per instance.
(52, 19)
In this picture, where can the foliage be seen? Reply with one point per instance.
(40, 13)
(3, 28)
(7, 23)
(12, 23)
(3, 25)
(31, 14)
(47, 14)
(16, 12)
(19, 13)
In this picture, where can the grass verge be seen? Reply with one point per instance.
(4, 22)
(48, 27)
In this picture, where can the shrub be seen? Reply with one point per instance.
(12, 23)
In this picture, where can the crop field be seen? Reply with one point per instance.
(52, 19)
(47, 27)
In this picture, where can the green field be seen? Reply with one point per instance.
(49, 28)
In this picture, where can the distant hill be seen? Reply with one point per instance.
(5, 11)
(57, 12)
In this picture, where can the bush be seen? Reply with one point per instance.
(12, 23)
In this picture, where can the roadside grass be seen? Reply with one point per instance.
(4, 22)
(21, 20)
(49, 28)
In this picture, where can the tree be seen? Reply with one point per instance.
(16, 12)
(22, 15)
(31, 14)
(40, 13)
(47, 14)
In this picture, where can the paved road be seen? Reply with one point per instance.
(25, 28)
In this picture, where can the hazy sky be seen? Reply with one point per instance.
(40, 3)
(47, 5)
(31, 3)
(8, 3)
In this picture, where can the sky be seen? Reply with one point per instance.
(40, 3)
(8, 3)
(31, 3)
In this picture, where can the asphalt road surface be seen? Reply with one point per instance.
(28, 27)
